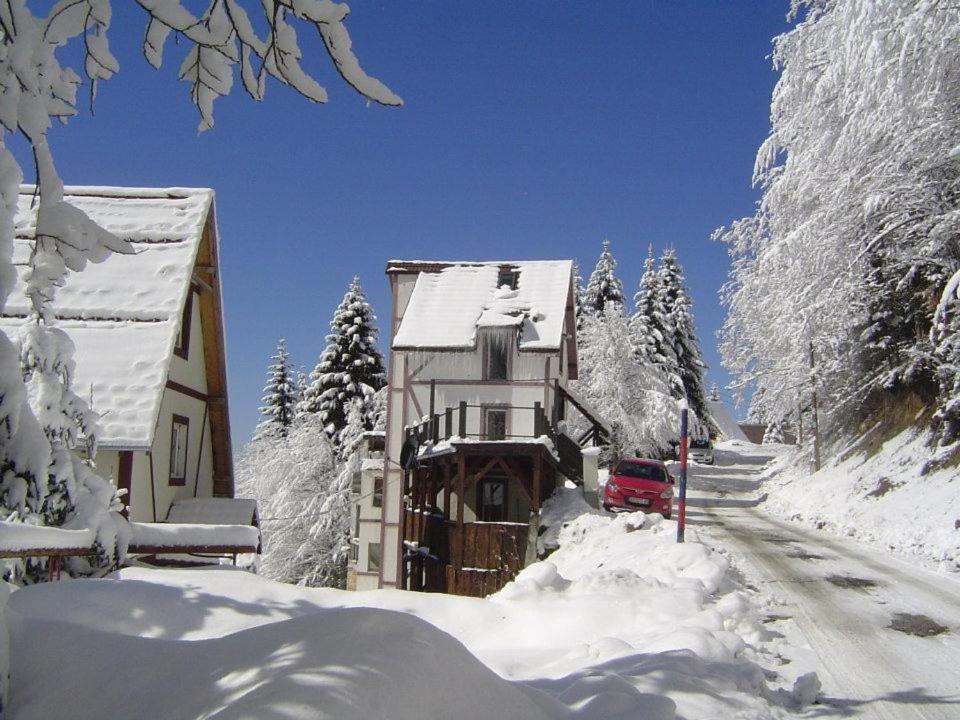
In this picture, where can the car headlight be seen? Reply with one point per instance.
(668, 493)
(612, 486)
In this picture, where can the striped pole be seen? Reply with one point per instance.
(682, 501)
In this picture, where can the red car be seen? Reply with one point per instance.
(639, 484)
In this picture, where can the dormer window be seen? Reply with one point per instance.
(508, 276)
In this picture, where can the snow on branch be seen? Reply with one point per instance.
(224, 36)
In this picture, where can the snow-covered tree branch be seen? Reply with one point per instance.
(837, 275)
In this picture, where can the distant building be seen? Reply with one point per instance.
(148, 330)
(480, 357)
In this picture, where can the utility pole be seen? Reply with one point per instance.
(816, 418)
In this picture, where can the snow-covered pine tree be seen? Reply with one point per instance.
(773, 435)
(577, 295)
(350, 368)
(603, 287)
(676, 302)
(651, 329)
(279, 396)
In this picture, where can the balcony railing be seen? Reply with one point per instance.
(454, 421)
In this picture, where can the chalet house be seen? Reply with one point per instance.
(148, 330)
(480, 357)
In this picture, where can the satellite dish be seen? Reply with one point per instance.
(409, 452)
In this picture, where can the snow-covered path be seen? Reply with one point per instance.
(846, 599)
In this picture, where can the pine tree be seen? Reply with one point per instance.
(578, 295)
(350, 368)
(686, 348)
(603, 287)
(279, 396)
(773, 435)
(650, 325)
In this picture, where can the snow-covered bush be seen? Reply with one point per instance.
(634, 398)
(302, 491)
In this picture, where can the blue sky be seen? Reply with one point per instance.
(530, 130)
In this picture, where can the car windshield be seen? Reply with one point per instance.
(641, 470)
(700, 444)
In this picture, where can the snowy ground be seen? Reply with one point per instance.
(882, 632)
(620, 622)
(898, 500)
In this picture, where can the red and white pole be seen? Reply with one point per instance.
(682, 501)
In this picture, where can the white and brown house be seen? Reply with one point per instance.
(148, 330)
(480, 357)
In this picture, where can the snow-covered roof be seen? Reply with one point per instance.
(122, 314)
(451, 300)
(725, 422)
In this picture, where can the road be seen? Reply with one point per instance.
(886, 632)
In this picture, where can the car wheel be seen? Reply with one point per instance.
(606, 507)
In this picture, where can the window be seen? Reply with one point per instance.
(378, 492)
(492, 499)
(182, 346)
(373, 556)
(496, 362)
(496, 424)
(507, 276)
(355, 483)
(179, 432)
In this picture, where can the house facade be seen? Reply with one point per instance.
(148, 331)
(475, 441)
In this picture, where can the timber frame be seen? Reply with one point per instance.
(444, 552)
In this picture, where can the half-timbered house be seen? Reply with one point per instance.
(148, 331)
(481, 354)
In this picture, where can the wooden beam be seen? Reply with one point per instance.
(461, 491)
(447, 487)
(537, 472)
(125, 478)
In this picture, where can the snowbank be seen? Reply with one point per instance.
(897, 499)
(619, 622)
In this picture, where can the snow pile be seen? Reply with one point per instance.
(620, 622)
(566, 504)
(900, 499)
